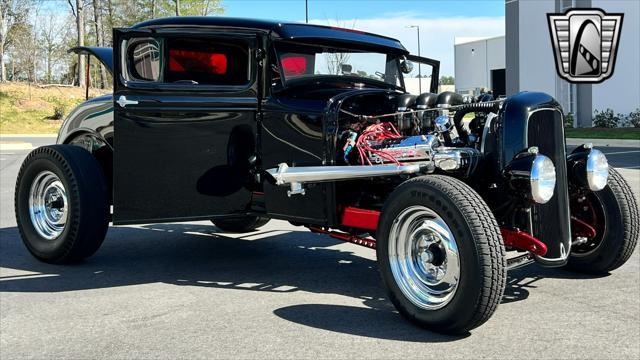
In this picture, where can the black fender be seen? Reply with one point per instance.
(100, 148)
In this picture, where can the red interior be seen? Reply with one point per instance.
(294, 65)
(200, 61)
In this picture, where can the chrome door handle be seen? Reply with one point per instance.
(122, 101)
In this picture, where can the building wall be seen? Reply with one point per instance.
(537, 70)
(621, 92)
(412, 85)
(531, 65)
(474, 61)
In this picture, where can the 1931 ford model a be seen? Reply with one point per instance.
(241, 121)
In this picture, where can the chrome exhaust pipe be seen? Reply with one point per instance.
(296, 176)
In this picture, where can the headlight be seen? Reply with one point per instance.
(597, 170)
(543, 179)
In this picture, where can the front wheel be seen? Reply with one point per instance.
(61, 203)
(613, 213)
(441, 254)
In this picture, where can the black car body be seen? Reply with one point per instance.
(227, 120)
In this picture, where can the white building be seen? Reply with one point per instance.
(527, 55)
(480, 63)
(413, 85)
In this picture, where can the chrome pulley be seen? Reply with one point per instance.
(48, 205)
(424, 257)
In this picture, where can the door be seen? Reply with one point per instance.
(498, 85)
(429, 69)
(185, 124)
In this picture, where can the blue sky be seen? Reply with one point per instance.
(441, 22)
(336, 9)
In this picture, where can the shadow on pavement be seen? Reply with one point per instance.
(193, 255)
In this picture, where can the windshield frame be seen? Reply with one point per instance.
(291, 47)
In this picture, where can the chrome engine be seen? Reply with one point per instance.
(423, 129)
(405, 134)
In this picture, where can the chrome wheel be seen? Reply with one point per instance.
(424, 258)
(48, 205)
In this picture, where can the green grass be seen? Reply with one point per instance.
(28, 109)
(602, 133)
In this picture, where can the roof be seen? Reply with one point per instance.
(467, 40)
(316, 34)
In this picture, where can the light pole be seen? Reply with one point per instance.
(419, 70)
(306, 11)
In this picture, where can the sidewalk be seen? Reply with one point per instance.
(604, 142)
(15, 145)
(28, 135)
(13, 142)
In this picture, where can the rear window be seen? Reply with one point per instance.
(206, 61)
(145, 59)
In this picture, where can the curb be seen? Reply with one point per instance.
(28, 135)
(15, 145)
(604, 142)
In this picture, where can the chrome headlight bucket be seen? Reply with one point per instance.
(543, 179)
(588, 167)
(597, 170)
(532, 176)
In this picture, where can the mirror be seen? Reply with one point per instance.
(346, 68)
(406, 66)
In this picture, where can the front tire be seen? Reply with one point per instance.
(613, 212)
(440, 254)
(61, 204)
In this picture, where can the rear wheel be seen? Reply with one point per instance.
(440, 254)
(613, 213)
(61, 203)
(240, 225)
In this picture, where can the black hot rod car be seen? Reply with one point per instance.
(242, 121)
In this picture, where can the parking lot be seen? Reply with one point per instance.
(185, 290)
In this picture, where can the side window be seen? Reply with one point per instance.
(207, 61)
(144, 55)
(193, 61)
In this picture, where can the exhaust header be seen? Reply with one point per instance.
(296, 176)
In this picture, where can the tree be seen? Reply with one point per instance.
(190, 7)
(51, 42)
(22, 53)
(34, 38)
(447, 80)
(78, 13)
(97, 16)
(13, 13)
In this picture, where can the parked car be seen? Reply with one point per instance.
(241, 121)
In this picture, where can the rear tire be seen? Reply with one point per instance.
(61, 204)
(474, 254)
(617, 234)
(241, 225)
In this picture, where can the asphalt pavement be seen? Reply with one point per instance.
(185, 290)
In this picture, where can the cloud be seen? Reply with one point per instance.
(437, 35)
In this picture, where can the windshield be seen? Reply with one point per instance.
(297, 62)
